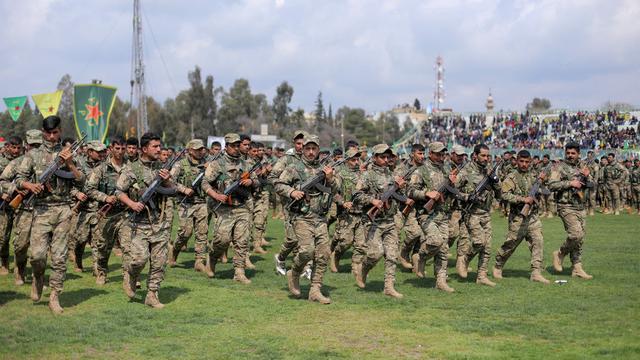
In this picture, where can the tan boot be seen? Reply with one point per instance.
(293, 281)
(173, 256)
(483, 279)
(557, 258)
(54, 304)
(418, 265)
(4, 266)
(224, 258)
(361, 276)
(264, 242)
(128, 284)
(316, 295)
(334, 262)
(441, 284)
(211, 264)
(77, 264)
(497, 272)
(355, 269)
(36, 287)
(117, 252)
(18, 275)
(579, 272)
(405, 261)
(101, 279)
(390, 291)
(257, 247)
(592, 213)
(536, 276)
(461, 267)
(240, 277)
(152, 300)
(248, 264)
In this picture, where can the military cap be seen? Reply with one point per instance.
(381, 149)
(351, 153)
(311, 139)
(34, 136)
(195, 144)
(96, 145)
(437, 147)
(231, 138)
(458, 150)
(299, 133)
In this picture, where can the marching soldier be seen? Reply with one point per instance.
(613, 176)
(13, 149)
(457, 227)
(634, 179)
(261, 196)
(590, 193)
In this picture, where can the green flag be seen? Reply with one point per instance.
(15, 106)
(92, 105)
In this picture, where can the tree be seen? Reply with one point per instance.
(389, 126)
(319, 112)
(236, 104)
(65, 111)
(281, 109)
(539, 105)
(416, 104)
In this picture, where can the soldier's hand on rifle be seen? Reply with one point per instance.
(136, 206)
(585, 171)
(409, 202)
(377, 203)
(5, 197)
(66, 155)
(164, 174)
(529, 200)
(111, 199)
(452, 178)
(400, 181)
(81, 196)
(328, 172)
(348, 205)
(542, 176)
(34, 188)
(217, 196)
(246, 182)
(433, 194)
(188, 192)
(297, 194)
(576, 184)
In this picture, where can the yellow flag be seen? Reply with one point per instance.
(48, 103)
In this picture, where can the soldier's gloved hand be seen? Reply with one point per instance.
(297, 194)
(164, 174)
(377, 203)
(111, 199)
(81, 196)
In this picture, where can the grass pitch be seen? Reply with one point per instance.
(221, 319)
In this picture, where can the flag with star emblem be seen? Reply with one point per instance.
(15, 106)
(48, 103)
(92, 105)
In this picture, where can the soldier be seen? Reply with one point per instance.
(132, 149)
(516, 190)
(233, 223)
(382, 234)
(111, 224)
(308, 218)
(424, 185)
(570, 208)
(85, 216)
(634, 180)
(602, 185)
(547, 208)
(349, 226)
(150, 225)
(24, 214)
(613, 177)
(290, 242)
(478, 218)
(261, 196)
(457, 228)
(413, 232)
(590, 193)
(52, 210)
(193, 214)
(214, 150)
(13, 149)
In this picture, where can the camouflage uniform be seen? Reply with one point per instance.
(634, 180)
(602, 188)
(260, 210)
(591, 193)
(6, 220)
(613, 174)
(412, 231)
(233, 222)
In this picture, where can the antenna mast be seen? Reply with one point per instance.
(438, 95)
(138, 94)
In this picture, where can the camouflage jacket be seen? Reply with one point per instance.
(6, 182)
(429, 177)
(613, 173)
(222, 173)
(370, 186)
(184, 172)
(634, 175)
(348, 180)
(34, 163)
(561, 175)
(515, 188)
(101, 182)
(280, 166)
(86, 166)
(315, 204)
(262, 178)
(469, 178)
(134, 179)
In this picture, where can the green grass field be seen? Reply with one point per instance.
(221, 319)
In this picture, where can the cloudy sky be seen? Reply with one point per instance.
(362, 53)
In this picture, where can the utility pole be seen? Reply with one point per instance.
(138, 96)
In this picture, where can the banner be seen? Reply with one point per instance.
(92, 105)
(48, 103)
(15, 106)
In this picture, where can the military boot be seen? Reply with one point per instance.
(4, 266)
(591, 212)
(361, 276)
(557, 258)
(248, 264)
(19, 274)
(390, 290)
(211, 262)
(461, 267)
(441, 284)
(536, 276)
(497, 272)
(405, 260)
(77, 264)
(334, 261)
(173, 256)
(36, 287)
(579, 272)
(316, 295)
(101, 279)
(483, 279)
(264, 242)
(117, 251)
(224, 258)
(128, 284)
(54, 304)
(200, 266)
(418, 265)
(257, 247)
(152, 300)
(293, 281)
(240, 277)
(355, 269)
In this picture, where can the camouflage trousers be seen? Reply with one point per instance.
(332, 215)
(590, 194)
(613, 195)
(290, 242)
(6, 225)
(313, 244)
(602, 195)
(49, 236)
(82, 231)
(412, 231)
(22, 234)
(522, 228)
(349, 231)
(478, 225)
(382, 241)
(260, 214)
(109, 230)
(574, 224)
(148, 243)
(636, 195)
(458, 232)
(193, 218)
(435, 229)
(232, 227)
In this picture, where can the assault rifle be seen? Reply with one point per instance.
(315, 182)
(490, 178)
(392, 192)
(194, 186)
(446, 188)
(536, 189)
(235, 186)
(49, 172)
(584, 180)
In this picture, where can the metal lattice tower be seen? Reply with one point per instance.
(138, 95)
(438, 94)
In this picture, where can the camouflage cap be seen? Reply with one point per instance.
(458, 150)
(195, 144)
(96, 145)
(437, 147)
(231, 138)
(299, 133)
(311, 139)
(351, 153)
(381, 149)
(34, 136)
